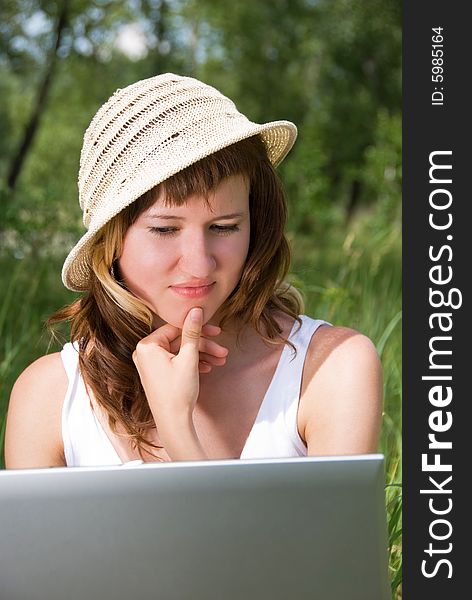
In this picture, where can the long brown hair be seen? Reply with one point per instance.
(108, 321)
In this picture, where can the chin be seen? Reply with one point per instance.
(177, 318)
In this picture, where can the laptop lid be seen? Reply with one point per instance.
(224, 530)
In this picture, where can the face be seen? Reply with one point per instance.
(177, 257)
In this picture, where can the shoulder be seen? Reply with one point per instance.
(46, 374)
(341, 400)
(33, 434)
(332, 347)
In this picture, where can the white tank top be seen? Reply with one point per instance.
(273, 435)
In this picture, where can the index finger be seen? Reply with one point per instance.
(192, 328)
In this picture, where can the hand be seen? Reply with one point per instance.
(211, 354)
(171, 379)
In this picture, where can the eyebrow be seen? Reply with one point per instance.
(176, 217)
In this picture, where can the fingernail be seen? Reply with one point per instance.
(195, 314)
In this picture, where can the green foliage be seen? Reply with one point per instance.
(394, 514)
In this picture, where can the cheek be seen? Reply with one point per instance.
(139, 261)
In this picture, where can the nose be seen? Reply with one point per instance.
(196, 256)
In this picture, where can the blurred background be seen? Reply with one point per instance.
(331, 66)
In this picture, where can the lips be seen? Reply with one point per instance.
(192, 290)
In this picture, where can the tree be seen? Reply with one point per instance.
(41, 99)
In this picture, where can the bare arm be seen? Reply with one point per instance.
(172, 383)
(33, 433)
(341, 404)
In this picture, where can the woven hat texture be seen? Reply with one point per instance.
(144, 134)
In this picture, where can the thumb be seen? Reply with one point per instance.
(192, 329)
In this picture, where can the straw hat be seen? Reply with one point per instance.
(144, 134)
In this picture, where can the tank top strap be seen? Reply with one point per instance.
(70, 360)
(290, 375)
(300, 337)
(290, 368)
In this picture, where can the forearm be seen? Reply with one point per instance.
(180, 439)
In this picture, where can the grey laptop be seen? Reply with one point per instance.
(217, 530)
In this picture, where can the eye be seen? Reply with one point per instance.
(163, 231)
(225, 229)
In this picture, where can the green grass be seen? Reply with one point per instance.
(349, 276)
(17, 330)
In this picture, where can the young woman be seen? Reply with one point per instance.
(186, 343)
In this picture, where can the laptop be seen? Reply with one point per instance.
(215, 530)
